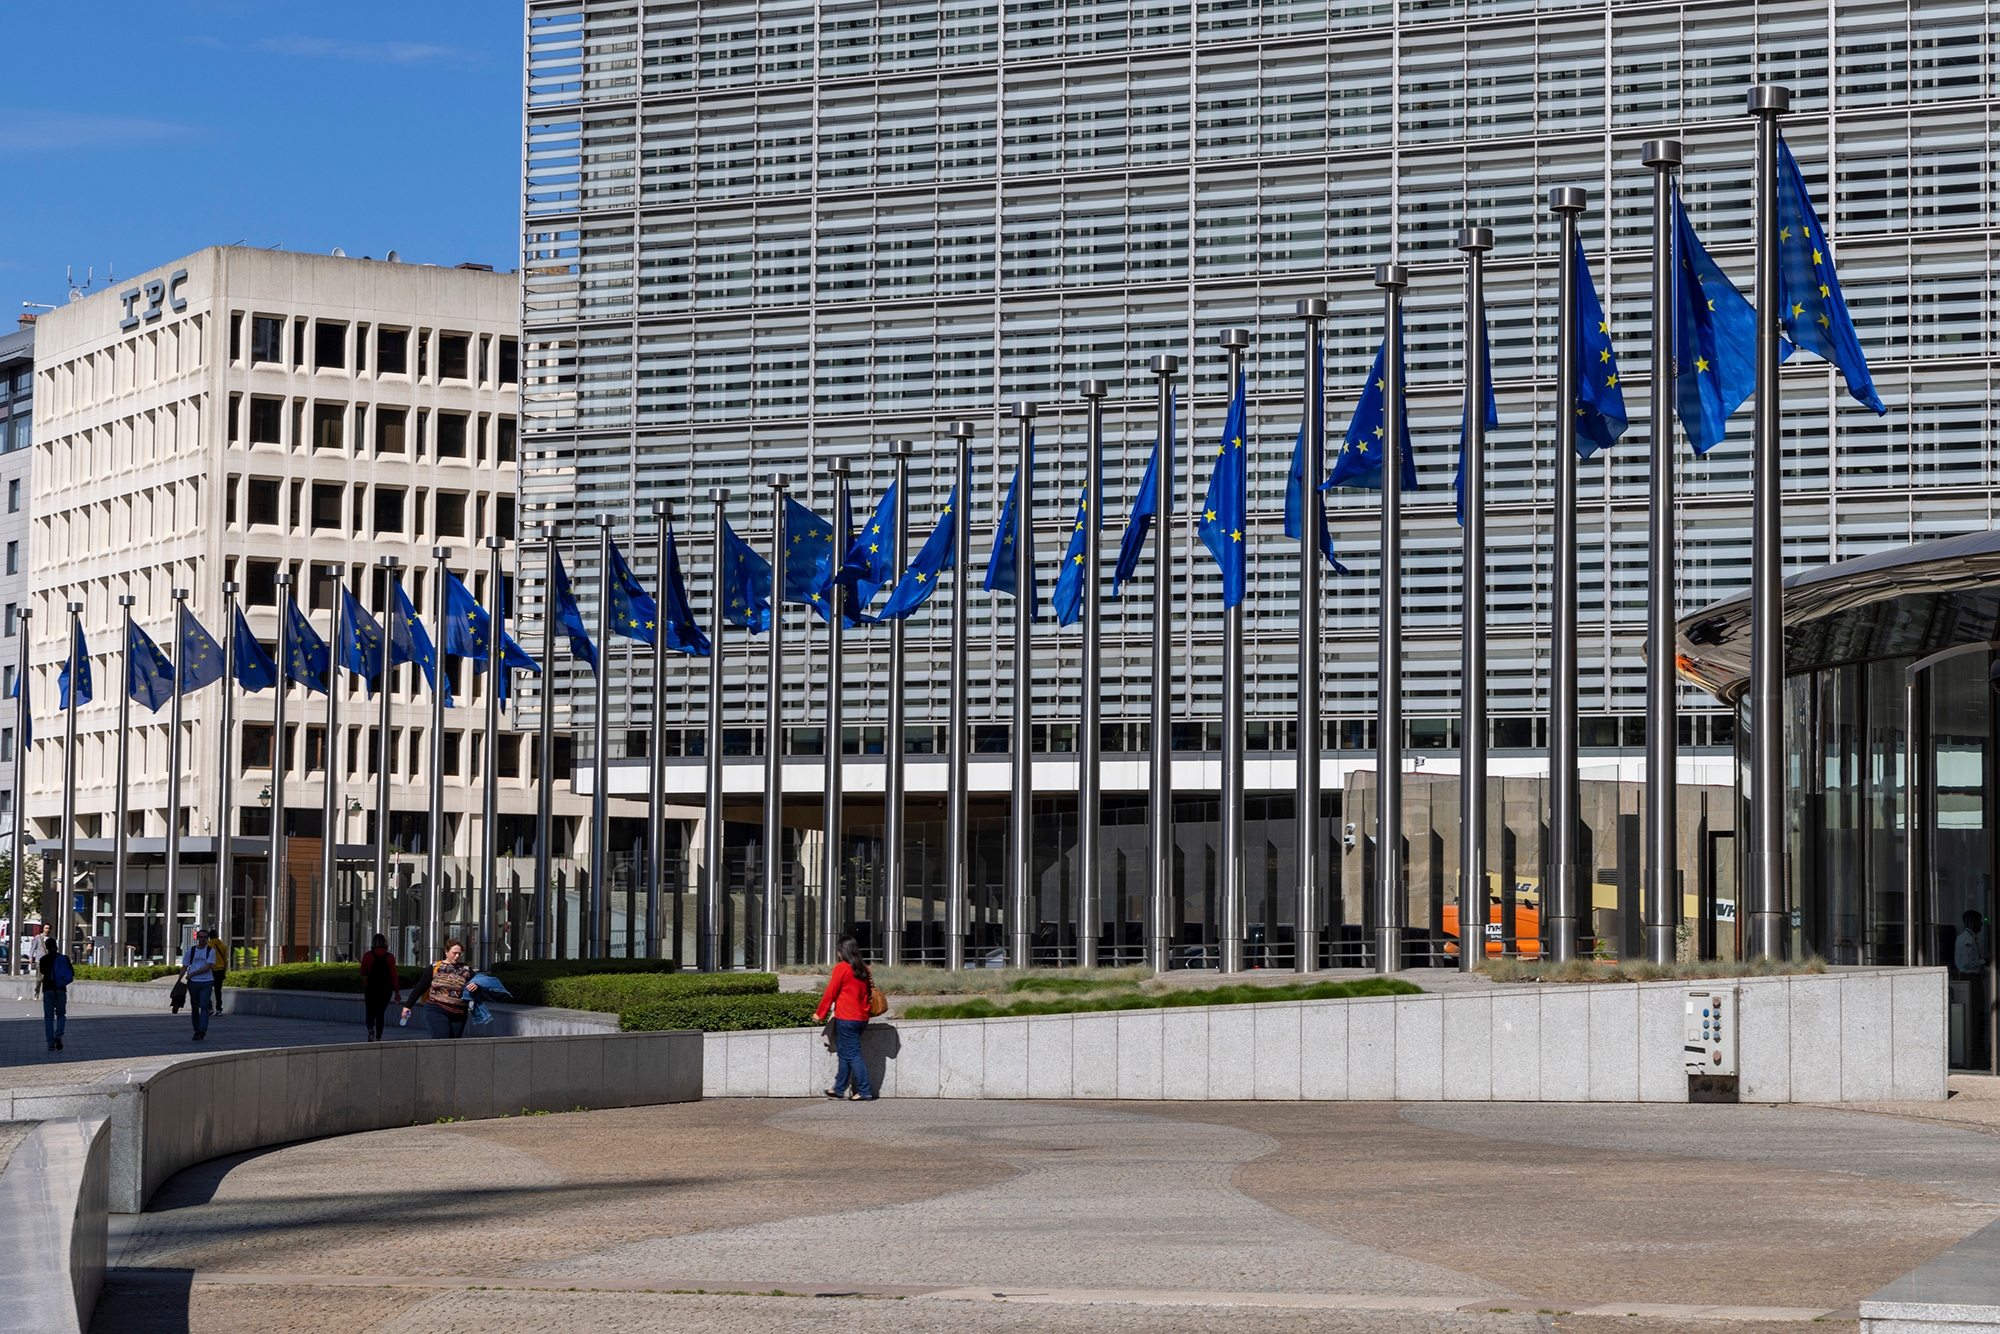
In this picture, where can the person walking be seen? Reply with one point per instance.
(446, 985)
(198, 971)
(53, 974)
(221, 948)
(378, 984)
(847, 993)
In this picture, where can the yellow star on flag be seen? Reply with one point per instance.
(1701, 363)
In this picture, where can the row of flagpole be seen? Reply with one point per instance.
(1710, 351)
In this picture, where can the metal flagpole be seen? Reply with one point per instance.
(1160, 759)
(329, 861)
(545, 740)
(1389, 905)
(1768, 936)
(893, 813)
(180, 596)
(121, 803)
(1474, 242)
(66, 890)
(957, 811)
(434, 866)
(714, 878)
(489, 806)
(596, 931)
(833, 743)
(1021, 907)
(774, 739)
(656, 755)
(225, 864)
(1234, 341)
(1311, 735)
(1662, 684)
(384, 677)
(1089, 792)
(18, 863)
(274, 860)
(1565, 796)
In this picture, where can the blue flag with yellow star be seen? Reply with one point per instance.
(410, 642)
(513, 658)
(745, 583)
(254, 669)
(1815, 314)
(83, 692)
(200, 656)
(306, 656)
(1067, 598)
(1600, 403)
(1295, 477)
(1358, 461)
(1000, 564)
(467, 627)
(1145, 507)
(1465, 425)
(921, 579)
(1715, 340)
(633, 611)
(808, 549)
(684, 633)
(149, 676)
(871, 560)
(357, 640)
(1225, 511)
(568, 615)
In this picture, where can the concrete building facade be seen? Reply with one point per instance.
(17, 435)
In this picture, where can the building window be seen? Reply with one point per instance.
(326, 425)
(263, 501)
(392, 351)
(452, 744)
(510, 755)
(423, 431)
(256, 745)
(423, 353)
(326, 498)
(235, 411)
(503, 517)
(451, 434)
(360, 348)
(504, 451)
(266, 420)
(388, 510)
(14, 496)
(298, 342)
(267, 339)
(389, 429)
(510, 361)
(236, 338)
(260, 583)
(13, 567)
(7, 682)
(485, 356)
(451, 514)
(453, 356)
(13, 618)
(6, 744)
(329, 346)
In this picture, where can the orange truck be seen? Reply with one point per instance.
(1527, 926)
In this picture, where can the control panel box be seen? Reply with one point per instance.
(1709, 1047)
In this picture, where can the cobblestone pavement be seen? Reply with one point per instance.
(101, 1039)
(1371, 1218)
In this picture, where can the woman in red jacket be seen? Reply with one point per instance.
(847, 996)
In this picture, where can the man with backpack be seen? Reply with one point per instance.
(52, 978)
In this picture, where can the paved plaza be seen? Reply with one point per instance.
(1004, 1216)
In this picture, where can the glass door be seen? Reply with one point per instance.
(1956, 705)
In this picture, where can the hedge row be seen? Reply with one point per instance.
(1239, 995)
(721, 1014)
(90, 972)
(614, 993)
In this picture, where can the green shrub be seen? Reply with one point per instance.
(1641, 970)
(299, 977)
(721, 1014)
(90, 972)
(616, 993)
(986, 1009)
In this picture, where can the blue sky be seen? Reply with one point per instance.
(135, 131)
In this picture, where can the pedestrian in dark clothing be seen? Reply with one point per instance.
(53, 974)
(847, 997)
(221, 948)
(378, 982)
(445, 984)
(198, 971)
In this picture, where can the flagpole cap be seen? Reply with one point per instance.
(494, 542)
(1025, 411)
(1391, 275)
(662, 508)
(1568, 199)
(1234, 338)
(231, 587)
(386, 562)
(179, 595)
(1092, 388)
(902, 449)
(1165, 364)
(1312, 308)
(444, 553)
(839, 468)
(1769, 99)
(283, 579)
(1661, 154)
(1475, 240)
(718, 495)
(76, 608)
(961, 430)
(127, 600)
(776, 481)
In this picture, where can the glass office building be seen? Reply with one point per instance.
(762, 236)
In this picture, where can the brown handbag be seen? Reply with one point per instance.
(878, 1002)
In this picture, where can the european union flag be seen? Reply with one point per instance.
(513, 658)
(1000, 565)
(358, 640)
(149, 676)
(201, 656)
(1600, 403)
(745, 583)
(83, 693)
(1815, 313)
(467, 628)
(1225, 512)
(871, 561)
(410, 642)
(1465, 426)
(1715, 342)
(684, 634)
(1068, 596)
(1358, 460)
(808, 550)
(27, 719)
(1295, 478)
(254, 669)
(306, 660)
(1145, 508)
(847, 578)
(921, 579)
(634, 614)
(568, 615)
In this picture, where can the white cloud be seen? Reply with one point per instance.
(38, 130)
(367, 53)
